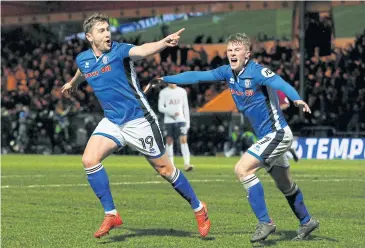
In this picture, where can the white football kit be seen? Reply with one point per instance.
(173, 103)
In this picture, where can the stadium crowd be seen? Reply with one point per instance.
(36, 116)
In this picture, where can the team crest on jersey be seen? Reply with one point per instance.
(231, 80)
(87, 64)
(267, 73)
(247, 83)
(105, 60)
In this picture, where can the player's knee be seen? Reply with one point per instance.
(287, 188)
(243, 170)
(88, 161)
(162, 165)
(282, 178)
(283, 184)
(183, 139)
(164, 170)
(169, 140)
(284, 187)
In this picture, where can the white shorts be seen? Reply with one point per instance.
(271, 149)
(143, 135)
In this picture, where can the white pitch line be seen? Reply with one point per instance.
(85, 184)
(228, 175)
(162, 182)
(332, 180)
(16, 176)
(58, 176)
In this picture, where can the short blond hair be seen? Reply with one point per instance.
(93, 19)
(240, 38)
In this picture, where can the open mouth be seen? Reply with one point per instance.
(234, 61)
(108, 42)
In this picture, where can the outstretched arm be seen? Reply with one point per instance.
(194, 77)
(190, 77)
(147, 49)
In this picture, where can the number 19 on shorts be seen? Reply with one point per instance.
(148, 141)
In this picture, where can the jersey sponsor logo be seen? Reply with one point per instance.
(87, 65)
(96, 73)
(92, 74)
(249, 92)
(174, 101)
(247, 83)
(106, 69)
(231, 81)
(267, 73)
(105, 60)
(236, 92)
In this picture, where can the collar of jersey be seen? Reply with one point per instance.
(244, 68)
(97, 59)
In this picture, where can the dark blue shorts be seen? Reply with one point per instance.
(176, 130)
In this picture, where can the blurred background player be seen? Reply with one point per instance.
(253, 89)
(285, 104)
(173, 103)
(239, 142)
(129, 120)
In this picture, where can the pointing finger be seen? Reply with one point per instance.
(179, 32)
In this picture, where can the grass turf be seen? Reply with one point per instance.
(46, 202)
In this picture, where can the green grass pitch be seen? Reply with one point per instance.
(46, 202)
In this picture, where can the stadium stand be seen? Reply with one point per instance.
(37, 118)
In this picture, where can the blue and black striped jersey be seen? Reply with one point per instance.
(253, 90)
(113, 78)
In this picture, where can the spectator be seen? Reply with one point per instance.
(33, 73)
